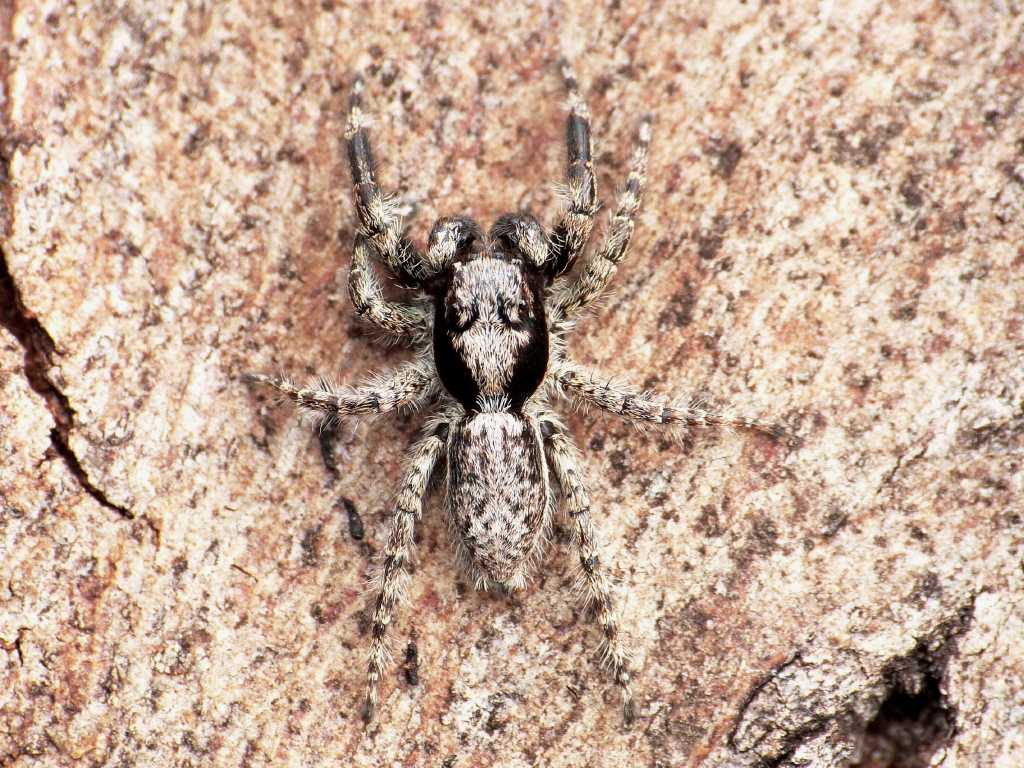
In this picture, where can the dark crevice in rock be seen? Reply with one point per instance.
(39, 347)
(909, 727)
(915, 719)
(899, 718)
(17, 646)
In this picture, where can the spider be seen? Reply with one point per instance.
(488, 318)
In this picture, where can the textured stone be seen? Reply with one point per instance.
(832, 235)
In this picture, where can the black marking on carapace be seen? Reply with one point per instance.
(532, 363)
(451, 368)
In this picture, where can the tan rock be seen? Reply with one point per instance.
(832, 235)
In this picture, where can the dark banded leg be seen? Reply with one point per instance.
(392, 576)
(404, 386)
(393, 317)
(378, 218)
(586, 386)
(570, 235)
(600, 268)
(593, 578)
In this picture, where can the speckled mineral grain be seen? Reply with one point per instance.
(831, 237)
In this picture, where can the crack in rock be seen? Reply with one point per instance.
(39, 347)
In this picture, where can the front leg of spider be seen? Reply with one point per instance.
(486, 317)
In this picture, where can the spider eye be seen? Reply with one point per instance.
(451, 238)
(465, 238)
(459, 317)
(514, 311)
(509, 312)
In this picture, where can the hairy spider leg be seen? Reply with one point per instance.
(600, 268)
(592, 388)
(395, 318)
(405, 386)
(572, 231)
(378, 218)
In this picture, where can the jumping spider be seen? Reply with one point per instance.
(488, 318)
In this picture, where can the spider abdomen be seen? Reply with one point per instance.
(497, 494)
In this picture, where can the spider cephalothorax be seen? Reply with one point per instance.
(490, 333)
(487, 317)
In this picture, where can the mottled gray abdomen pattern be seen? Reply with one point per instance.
(497, 493)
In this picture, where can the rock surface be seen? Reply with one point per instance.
(832, 236)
